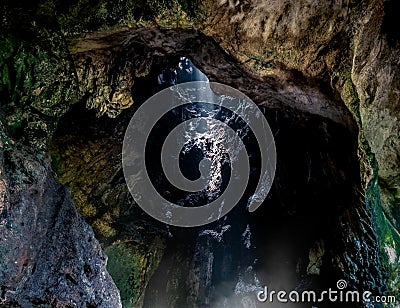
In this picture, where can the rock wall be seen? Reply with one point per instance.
(49, 255)
(48, 252)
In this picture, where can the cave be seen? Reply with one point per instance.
(74, 76)
(288, 243)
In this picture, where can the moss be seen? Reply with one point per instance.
(388, 234)
(37, 81)
(389, 238)
(123, 265)
(390, 253)
(17, 64)
(56, 164)
(15, 125)
(131, 267)
(103, 225)
(93, 15)
(84, 166)
(348, 93)
(261, 62)
(6, 48)
(90, 211)
(5, 140)
(6, 52)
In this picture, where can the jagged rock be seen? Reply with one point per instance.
(49, 254)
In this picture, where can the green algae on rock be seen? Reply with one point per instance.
(38, 82)
(131, 268)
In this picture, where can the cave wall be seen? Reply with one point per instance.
(350, 46)
(49, 254)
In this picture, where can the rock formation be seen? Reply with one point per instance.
(326, 76)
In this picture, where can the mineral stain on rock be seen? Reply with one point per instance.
(325, 75)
